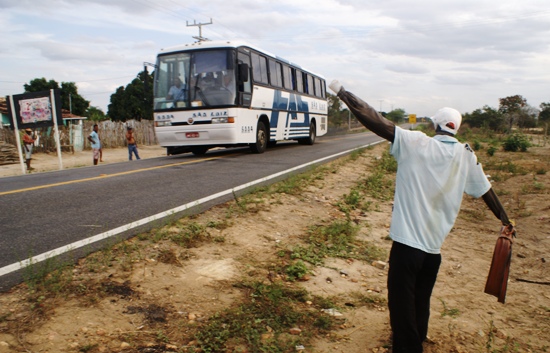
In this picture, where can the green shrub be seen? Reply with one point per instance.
(296, 270)
(353, 199)
(387, 163)
(516, 142)
(477, 145)
(491, 151)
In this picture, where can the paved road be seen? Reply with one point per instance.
(81, 209)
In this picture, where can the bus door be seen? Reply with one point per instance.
(244, 80)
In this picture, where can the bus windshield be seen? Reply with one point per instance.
(194, 79)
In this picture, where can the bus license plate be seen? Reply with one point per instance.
(191, 135)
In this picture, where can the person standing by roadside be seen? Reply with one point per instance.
(132, 145)
(433, 173)
(100, 149)
(28, 143)
(96, 143)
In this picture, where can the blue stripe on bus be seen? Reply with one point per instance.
(292, 106)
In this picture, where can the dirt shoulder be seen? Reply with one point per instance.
(114, 300)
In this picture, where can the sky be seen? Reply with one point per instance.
(418, 55)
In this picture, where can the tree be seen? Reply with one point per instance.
(486, 117)
(70, 99)
(40, 84)
(527, 117)
(396, 115)
(335, 116)
(544, 114)
(511, 107)
(116, 109)
(95, 114)
(135, 101)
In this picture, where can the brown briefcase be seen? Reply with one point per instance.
(497, 280)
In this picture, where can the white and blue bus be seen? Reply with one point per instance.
(227, 94)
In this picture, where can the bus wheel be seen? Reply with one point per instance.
(199, 151)
(310, 140)
(261, 139)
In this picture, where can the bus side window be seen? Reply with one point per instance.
(287, 82)
(259, 68)
(304, 79)
(310, 87)
(245, 84)
(244, 96)
(275, 73)
(318, 92)
(299, 81)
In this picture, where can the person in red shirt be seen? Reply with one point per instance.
(28, 143)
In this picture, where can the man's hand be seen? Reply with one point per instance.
(510, 229)
(335, 86)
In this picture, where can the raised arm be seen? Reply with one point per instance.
(366, 114)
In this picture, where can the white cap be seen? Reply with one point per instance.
(448, 119)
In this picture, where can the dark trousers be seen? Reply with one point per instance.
(411, 279)
(132, 149)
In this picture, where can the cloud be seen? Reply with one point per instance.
(407, 68)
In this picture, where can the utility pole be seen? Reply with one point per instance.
(200, 38)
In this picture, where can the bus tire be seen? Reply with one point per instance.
(310, 140)
(261, 139)
(199, 151)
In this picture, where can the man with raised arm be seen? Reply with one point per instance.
(433, 174)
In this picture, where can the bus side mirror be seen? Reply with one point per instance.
(243, 72)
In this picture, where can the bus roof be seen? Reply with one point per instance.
(227, 44)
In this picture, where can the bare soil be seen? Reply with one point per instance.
(142, 293)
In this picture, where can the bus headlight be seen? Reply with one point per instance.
(163, 123)
(223, 120)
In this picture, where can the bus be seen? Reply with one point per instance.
(227, 94)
